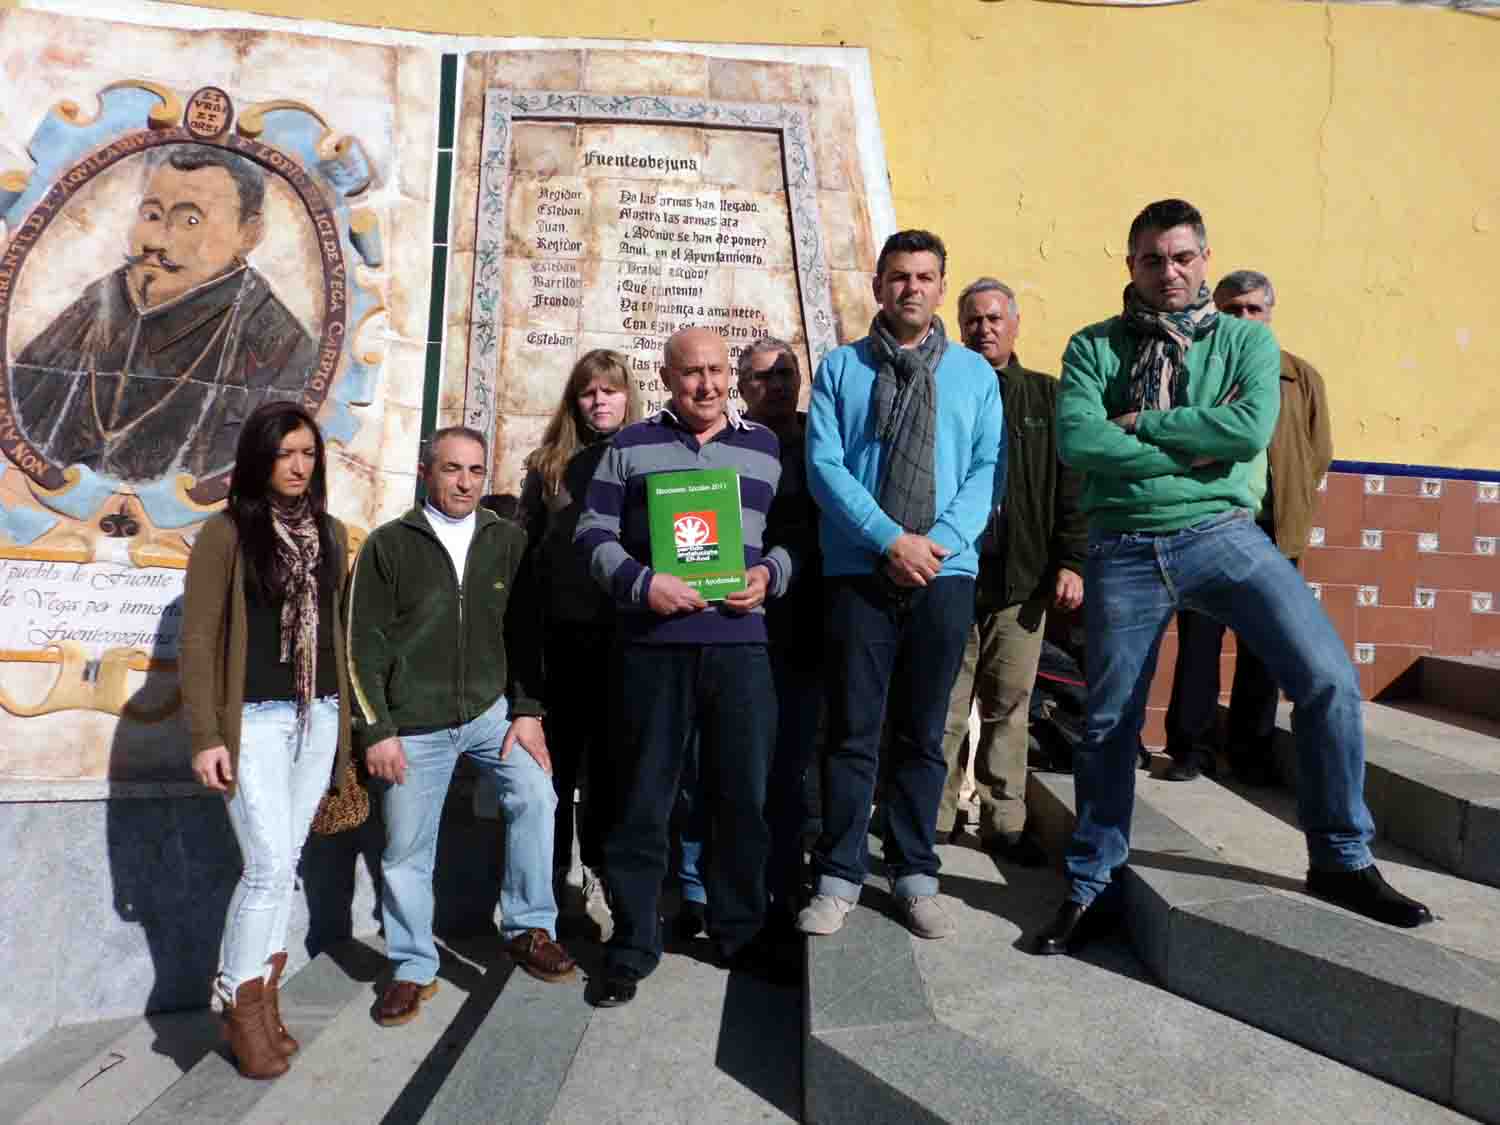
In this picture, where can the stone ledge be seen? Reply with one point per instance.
(1464, 684)
(212, 1091)
(874, 1053)
(1440, 808)
(1417, 1015)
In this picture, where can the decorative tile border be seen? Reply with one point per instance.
(502, 107)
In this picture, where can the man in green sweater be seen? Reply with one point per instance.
(1168, 409)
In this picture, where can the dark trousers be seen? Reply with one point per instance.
(799, 706)
(899, 658)
(664, 692)
(578, 738)
(1193, 712)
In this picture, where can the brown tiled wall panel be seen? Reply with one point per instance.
(1434, 572)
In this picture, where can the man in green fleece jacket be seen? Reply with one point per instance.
(444, 660)
(1168, 409)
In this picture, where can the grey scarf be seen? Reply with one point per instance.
(1159, 369)
(905, 401)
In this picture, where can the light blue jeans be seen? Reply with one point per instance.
(1226, 569)
(413, 811)
(282, 775)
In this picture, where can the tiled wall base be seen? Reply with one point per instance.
(1404, 565)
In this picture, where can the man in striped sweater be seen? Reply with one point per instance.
(682, 665)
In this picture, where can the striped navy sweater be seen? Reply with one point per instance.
(614, 532)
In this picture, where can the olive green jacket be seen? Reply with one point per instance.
(1300, 452)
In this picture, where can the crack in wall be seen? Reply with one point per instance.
(1323, 124)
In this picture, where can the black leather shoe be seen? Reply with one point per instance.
(614, 991)
(1190, 766)
(1058, 936)
(690, 920)
(1255, 771)
(1366, 892)
(1024, 851)
(1075, 926)
(775, 960)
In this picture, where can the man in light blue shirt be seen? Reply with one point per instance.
(904, 432)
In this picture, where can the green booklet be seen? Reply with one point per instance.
(696, 530)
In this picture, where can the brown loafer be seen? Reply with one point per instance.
(540, 956)
(402, 1000)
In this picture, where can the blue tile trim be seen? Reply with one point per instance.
(1440, 472)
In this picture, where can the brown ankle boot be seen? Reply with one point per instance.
(281, 1039)
(245, 1029)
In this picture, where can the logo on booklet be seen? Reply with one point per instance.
(696, 536)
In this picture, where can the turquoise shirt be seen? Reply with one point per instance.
(1146, 480)
(845, 458)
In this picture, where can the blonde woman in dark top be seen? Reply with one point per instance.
(599, 398)
(264, 688)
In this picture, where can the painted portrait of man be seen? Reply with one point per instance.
(154, 367)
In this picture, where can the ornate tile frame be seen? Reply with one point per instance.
(501, 107)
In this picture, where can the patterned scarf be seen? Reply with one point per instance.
(905, 402)
(296, 563)
(1159, 369)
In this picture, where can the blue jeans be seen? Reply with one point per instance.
(283, 774)
(664, 693)
(1226, 569)
(909, 652)
(413, 811)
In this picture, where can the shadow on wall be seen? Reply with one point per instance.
(173, 865)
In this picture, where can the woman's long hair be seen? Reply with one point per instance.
(250, 495)
(569, 431)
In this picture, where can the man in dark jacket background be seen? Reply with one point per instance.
(1031, 557)
(444, 655)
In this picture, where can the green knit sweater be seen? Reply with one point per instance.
(1145, 481)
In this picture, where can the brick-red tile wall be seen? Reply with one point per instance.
(1404, 565)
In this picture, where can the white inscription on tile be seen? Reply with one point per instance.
(1425, 598)
(1481, 603)
(1370, 539)
(1432, 486)
(1427, 541)
(1364, 654)
(1489, 492)
(1374, 486)
(1484, 544)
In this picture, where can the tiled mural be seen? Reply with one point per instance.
(190, 223)
(1404, 565)
(604, 198)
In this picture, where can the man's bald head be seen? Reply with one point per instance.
(695, 371)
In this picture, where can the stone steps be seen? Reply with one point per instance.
(312, 1000)
(976, 1029)
(1215, 910)
(1432, 781)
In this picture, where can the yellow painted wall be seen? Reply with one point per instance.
(1351, 152)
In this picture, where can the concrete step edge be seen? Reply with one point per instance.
(873, 1051)
(213, 1091)
(1421, 1017)
(1440, 808)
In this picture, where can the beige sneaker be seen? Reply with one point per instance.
(825, 914)
(926, 917)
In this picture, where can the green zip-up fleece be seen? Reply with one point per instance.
(1145, 481)
(1044, 528)
(430, 649)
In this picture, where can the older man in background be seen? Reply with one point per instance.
(1031, 557)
